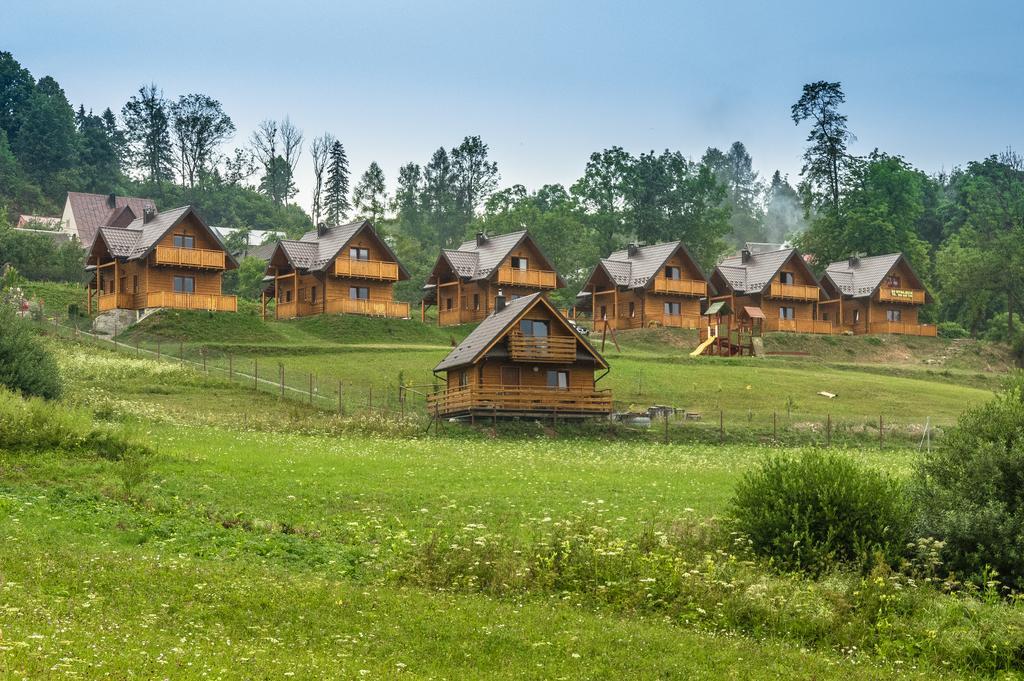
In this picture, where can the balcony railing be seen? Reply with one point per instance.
(457, 316)
(371, 307)
(366, 269)
(190, 257)
(902, 328)
(192, 301)
(513, 276)
(901, 295)
(514, 399)
(114, 301)
(679, 321)
(541, 348)
(794, 291)
(686, 287)
(798, 325)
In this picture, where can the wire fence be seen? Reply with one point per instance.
(402, 397)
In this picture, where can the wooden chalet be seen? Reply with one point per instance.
(777, 285)
(524, 360)
(347, 269)
(84, 214)
(169, 259)
(646, 286)
(876, 295)
(464, 282)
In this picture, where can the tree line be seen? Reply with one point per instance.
(961, 230)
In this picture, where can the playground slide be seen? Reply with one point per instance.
(703, 346)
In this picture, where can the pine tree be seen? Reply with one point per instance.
(336, 203)
(370, 195)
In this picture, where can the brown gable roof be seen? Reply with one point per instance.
(315, 251)
(754, 275)
(135, 241)
(475, 261)
(93, 211)
(491, 329)
(861, 277)
(639, 268)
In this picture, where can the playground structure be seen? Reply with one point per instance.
(727, 333)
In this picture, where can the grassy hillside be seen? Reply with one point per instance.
(366, 553)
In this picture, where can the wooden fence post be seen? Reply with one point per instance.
(231, 368)
(281, 373)
(369, 398)
(721, 425)
(181, 352)
(136, 346)
(828, 430)
(666, 426)
(881, 441)
(158, 350)
(255, 374)
(775, 426)
(311, 387)
(341, 407)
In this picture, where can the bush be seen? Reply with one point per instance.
(969, 491)
(813, 512)
(26, 366)
(952, 330)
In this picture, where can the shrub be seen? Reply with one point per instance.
(26, 366)
(951, 330)
(969, 491)
(813, 512)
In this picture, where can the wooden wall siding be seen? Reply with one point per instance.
(337, 300)
(377, 254)
(138, 282)
(463, 311)
(648, 310)
(191, 227)
(691, 282)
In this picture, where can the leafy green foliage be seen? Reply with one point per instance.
(26, 365)
(969, 491)
(951, 330)
(37, 257)
(820, 510)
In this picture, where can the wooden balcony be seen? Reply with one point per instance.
(514, 400)
(192, 301)
(286, 310)
(456, 316)
(541, 348)
(903, 329)
(371, 307)
(190, 257)
(116, 301)
(366, 269)
(798, 325)
(794, 291)
(901, 295)
(528, 278)
(685, 287)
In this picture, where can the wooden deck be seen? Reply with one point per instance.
(190, 257)
(799, 325)
(794, 291)
(686, 287)
(371, 307)
(192, 301)
(531, 278)
(508, 400)
(113, 301)
(456, 316)
(366, 269)
(902, 329)
(541, 349)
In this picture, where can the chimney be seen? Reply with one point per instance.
(499, 301)
(481, 238)
(147, 214)
(112, 200)
(631, 249)
(745, 255)
(854, 260)
(321, 229)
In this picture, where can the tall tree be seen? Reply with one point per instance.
(440, 201)
(370, 195)
(734, 169)
(200, 126)
(826, 159)
(147, 129)
(16, 87)
(336, 202)
(291, 146)
(320, 150)
(407, 202)
(47, 141)
(99, 159)
(602, 193)
(473, 175)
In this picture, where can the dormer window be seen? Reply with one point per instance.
(786, 278)
(184, 241)
(672, 272)
(518, 263)
(356, 253)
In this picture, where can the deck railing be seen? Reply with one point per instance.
(687, 287)
(901, 295)
(516, 399)
(794, 291)
(541, 348)
(112, 301)
(366, 269)
(799, 325)
(192, 301)
(372, 307)
(190, 257)
(531, 278)
(903, 329)
(679, 321)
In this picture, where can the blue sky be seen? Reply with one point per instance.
(547, 83)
